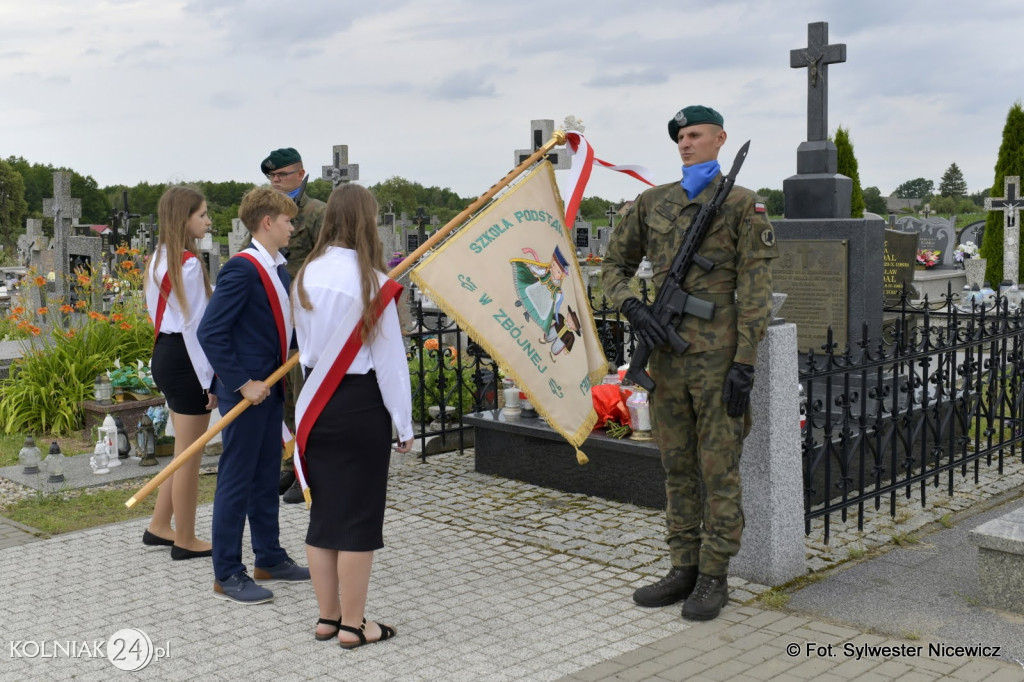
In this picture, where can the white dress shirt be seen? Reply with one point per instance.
(333, 285)
(174, 320)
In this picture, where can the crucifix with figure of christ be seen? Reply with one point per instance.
(815, 58)
(1010, 205)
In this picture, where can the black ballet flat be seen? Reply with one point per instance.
(154, 540)
(180, 553)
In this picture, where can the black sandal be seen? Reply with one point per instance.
(386, 632)
(329, 635)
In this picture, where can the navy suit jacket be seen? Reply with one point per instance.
(238, 332)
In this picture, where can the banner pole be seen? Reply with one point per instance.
(557, 138)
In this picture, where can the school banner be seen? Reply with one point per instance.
(511, 280)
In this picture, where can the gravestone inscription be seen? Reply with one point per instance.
(898, 269)
(813, 274)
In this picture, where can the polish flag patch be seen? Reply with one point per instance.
(759, 208)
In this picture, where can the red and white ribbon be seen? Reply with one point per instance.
(583, 161)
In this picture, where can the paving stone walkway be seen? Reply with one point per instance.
(485, 579)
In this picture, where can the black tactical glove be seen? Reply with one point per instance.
(644, 323)
(736, 390)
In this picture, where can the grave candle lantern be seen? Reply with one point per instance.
(103, 390)
(108, 434)
(29, 456)
(54, 464)
(639, 414)
(146, 441)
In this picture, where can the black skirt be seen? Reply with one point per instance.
(347, 458)
(174, 376)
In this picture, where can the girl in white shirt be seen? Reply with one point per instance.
(177, 291)
(348, 450)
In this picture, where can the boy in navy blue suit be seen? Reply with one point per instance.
(245, 333)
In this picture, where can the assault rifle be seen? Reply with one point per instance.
(672, 302)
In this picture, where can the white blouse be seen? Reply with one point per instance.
(174, 321)
(332, 283)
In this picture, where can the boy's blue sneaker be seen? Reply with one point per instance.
(285, 572)
(240, 588)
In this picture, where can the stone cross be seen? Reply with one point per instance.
(32, 242)
(63, 209)
(1010, 205)
(541, 130)
(342, 171)
(816, 57)
(611, 213)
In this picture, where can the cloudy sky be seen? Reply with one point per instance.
(442, 91)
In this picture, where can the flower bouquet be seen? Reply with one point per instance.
(965, 251)
(928, 258)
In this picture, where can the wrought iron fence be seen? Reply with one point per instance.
(936, 397)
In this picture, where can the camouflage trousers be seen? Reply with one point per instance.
(700, 450)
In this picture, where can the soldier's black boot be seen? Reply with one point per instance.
(709, 595)
(294, 494)
(675, 586)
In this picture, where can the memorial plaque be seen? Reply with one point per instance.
(813, 273)
(412, 241)
(583, 238)
(900, 261)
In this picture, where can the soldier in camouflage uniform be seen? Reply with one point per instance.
(284, 170)
(700, 410)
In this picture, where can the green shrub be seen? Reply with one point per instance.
(438, 362)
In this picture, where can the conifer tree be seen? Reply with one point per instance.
(1009, 162)
(952, 183)
(847, 165)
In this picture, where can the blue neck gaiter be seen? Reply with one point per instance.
(294, 194)
(698, 176)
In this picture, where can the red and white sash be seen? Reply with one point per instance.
(325, 378)
(165, 292)
(278, 297)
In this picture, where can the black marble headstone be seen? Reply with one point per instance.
(900, 260)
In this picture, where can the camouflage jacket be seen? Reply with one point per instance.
(307, 228)
(740, 243)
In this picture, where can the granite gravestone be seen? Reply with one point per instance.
(238, 238)
(64, 210)
(817, 190)
(974, 232)
(341, 171)
(581, 235)
(1010, 204)
(934, 234)
(818, 220)
(32, 243)
(540, 132)
(900, 260)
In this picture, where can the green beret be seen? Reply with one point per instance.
(279, 158)
(689, 116)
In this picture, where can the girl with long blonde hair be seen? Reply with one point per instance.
(177, 290)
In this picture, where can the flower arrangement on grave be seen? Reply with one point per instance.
(396, 258)
(928, 258)
(134, 379)
(593, 260)
(67, 342)
(965, 251)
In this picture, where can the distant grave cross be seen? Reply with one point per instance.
(341, 171)
(816, 57)
(611, 213)
(64, 210)
(1010, 206)
(541, 131)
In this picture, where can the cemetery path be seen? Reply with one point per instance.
(485, 578)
